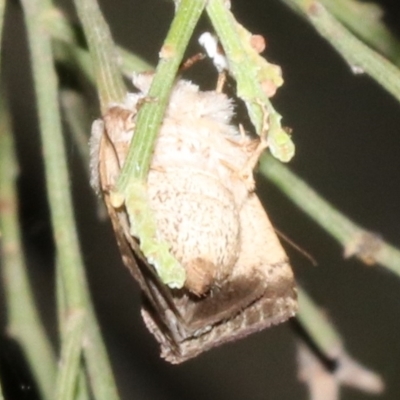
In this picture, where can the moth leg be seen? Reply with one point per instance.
(221, 81)
(254, 157)
(254, 148)
(191, 61)
(244, 174)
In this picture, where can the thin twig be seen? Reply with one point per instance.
(77, 118)
(355, 240)
(109, 81)
(256, 79)
(53, 147)
(61, 29)
(131, 183)
(69, 261)
(2, 10)
(358, 55)
(323, 333)
(324, 384)
(366, 22)
(70, 357)
(23, 321)
(150, 115)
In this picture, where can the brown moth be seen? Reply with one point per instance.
(201, 190)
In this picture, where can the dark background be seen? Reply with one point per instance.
(346, 130)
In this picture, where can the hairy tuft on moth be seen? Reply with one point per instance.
(200, 192)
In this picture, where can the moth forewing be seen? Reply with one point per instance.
(261, 293)
(238, 277)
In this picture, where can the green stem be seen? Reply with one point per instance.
(317, 325)
(70, 356)
(358, 55)
(58, 187)
(365, 21)
(100, 373)
(109, 81)
(24, 323)
(345, 231)
(150, 115)
(77, 118)
(69, 260)
(2, 9)
(241, 67)
(253, 74)
(61, 29)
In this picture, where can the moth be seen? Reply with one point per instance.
(200, 189)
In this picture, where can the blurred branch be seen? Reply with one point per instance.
(325, 384)
(61, 29)
(2, 11)
(79, 124)
(356, 241)
(322, 332)
(23, 320)
(358, 55)
(365, 21)
(69, 260)
(77, 118)
(109, 81)
(68, 379)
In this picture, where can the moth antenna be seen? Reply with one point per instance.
(297, 247)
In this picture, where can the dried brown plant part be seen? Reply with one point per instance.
(365, 246)
(238, 279)
(325, 385)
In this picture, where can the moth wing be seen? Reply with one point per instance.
(260, 293)
(157, 295)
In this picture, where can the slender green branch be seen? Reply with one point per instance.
(317, 325)
(365, 21)
(70, 357)
(2, 10)
(256, 79)
(109, 81)
(45, 80)
(348, 371)
(78, 121)
(355, 240)
(358, 55)
(77, 118)
(69, 259)
(1, 393)
(100, 373)
(24, 323)
(150, 115)
(69, 262)
(83, 392)
(131, 184)
(132, 63)
(61, 29)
